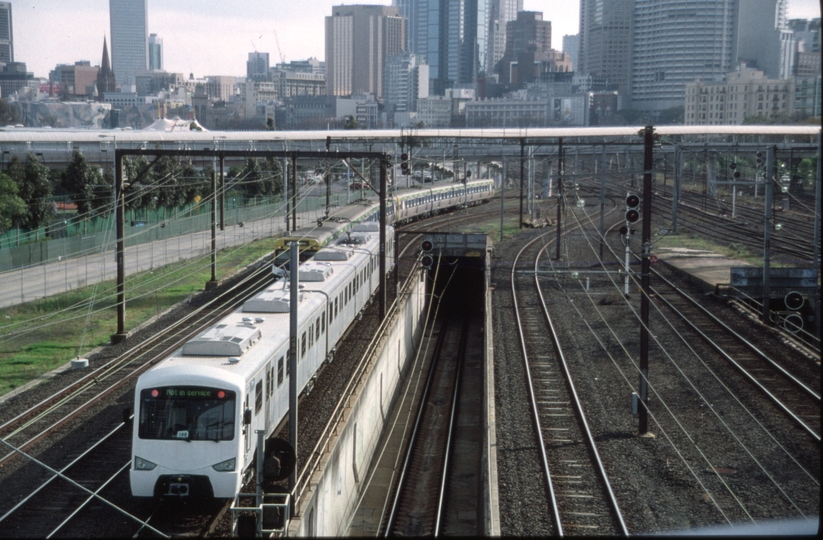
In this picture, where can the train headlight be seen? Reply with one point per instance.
(141, 464)
(225, 466)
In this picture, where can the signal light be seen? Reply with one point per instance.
(759, 158)
(632, 211)
(794, 300)
(404, 163)
(426, 245)
(736, 174)
(427, 261)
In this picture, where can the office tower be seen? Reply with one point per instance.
(155, 53)
(359, 39)
(571, 46)
(406, 80)
(764, 39)
(528, 41)
(605, 41)
(676, 42)
(500, 13)
(452, 36)
(257, 65)
(129, 39)
(6, 34)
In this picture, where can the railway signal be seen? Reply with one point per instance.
(404, 163)
(426, 245)
(427, 261)
(632, 208)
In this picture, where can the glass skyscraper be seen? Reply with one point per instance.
(6, 34)
(452, 36)
(129, 39)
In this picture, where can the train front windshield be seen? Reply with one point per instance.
(189, 413)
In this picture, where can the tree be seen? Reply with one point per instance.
(351, 123)
(168, 189)
(672, 116)
(34, 182)
(254, 180)
(86, 185)
(274, 168)
(11, 206)
(9, 114)
(140, 179)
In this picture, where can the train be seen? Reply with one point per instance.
(196, 412)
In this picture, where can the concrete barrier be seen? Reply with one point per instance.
(327, 506)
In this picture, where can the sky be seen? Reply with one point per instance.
(214, 37)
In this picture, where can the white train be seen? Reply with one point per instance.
(196, 412)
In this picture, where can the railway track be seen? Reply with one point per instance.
(791, 243)
(789, 381)
(438, 486)
(578, 493)
(103, 459)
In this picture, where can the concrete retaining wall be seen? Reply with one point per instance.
(335, 489)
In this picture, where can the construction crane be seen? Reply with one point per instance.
(282, 58)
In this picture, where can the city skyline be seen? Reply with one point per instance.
(45, 35)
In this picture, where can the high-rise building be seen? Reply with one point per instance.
(500, 13)
(764, 39)
(528, 41)
(452, 36)
(257, 65)
(675, 42)
(605, 41)
(406, 80)
(6, 34)
(129, 39)
(359, 39)
(155, 53)
(571, 46)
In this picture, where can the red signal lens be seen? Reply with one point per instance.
(221, 394)
(155, 393)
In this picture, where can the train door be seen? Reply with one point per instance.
(247, 428)
(269, 400)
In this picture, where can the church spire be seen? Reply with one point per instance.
(105, 77)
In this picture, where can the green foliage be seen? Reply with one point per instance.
(9, 114)
(671, 116)
(86, 185)
(351, 123)
(11, 205)
(34, 182)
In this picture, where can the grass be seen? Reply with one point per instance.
(691, 241)
(39, 336)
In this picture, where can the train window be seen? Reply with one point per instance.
(258, 397)
(323, 323)
(187, 413)
(303, 346)
(335, 306)
(268, 383)
(317, 328)
(280, 372)
(288, 365)
(311, 336)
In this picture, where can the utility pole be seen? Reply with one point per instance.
(771, 166)
(294, 293)
(648, 163)
(522, 152)
(559, 196)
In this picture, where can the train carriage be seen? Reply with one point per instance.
(197, 411)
